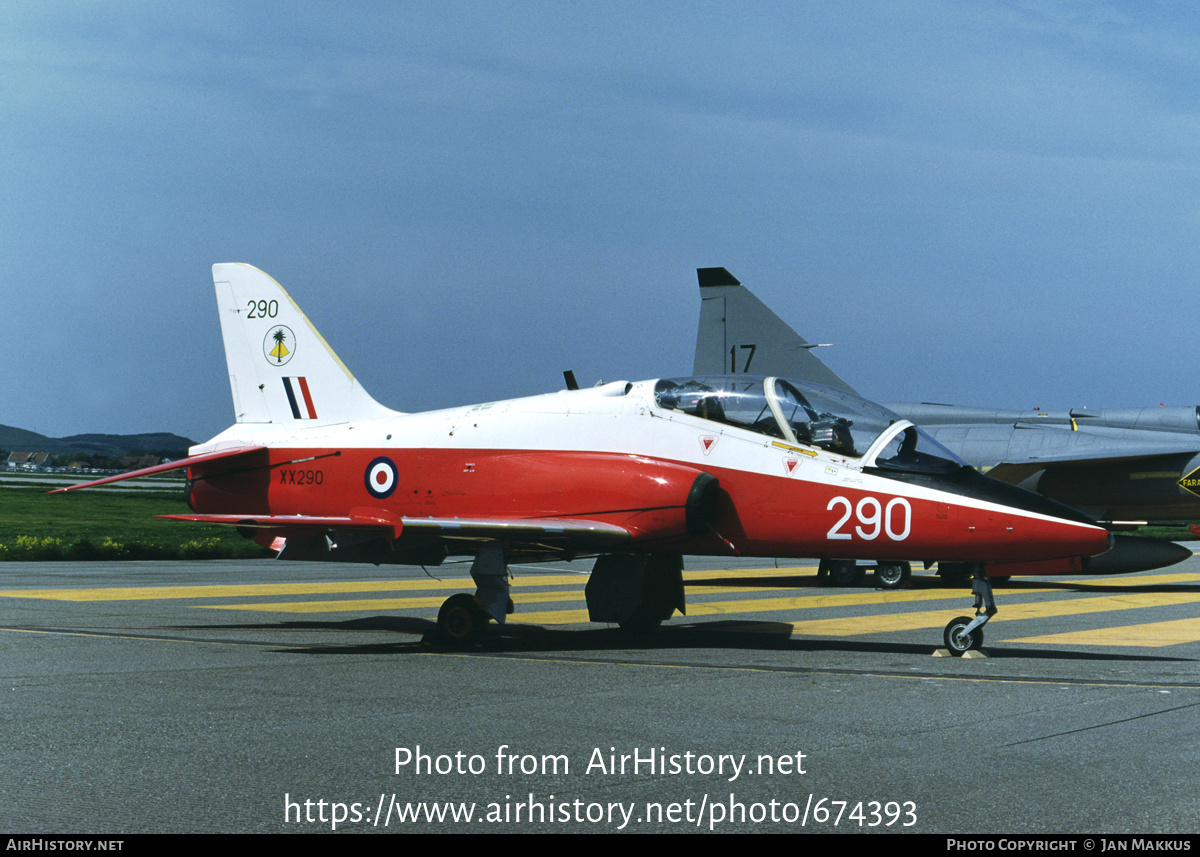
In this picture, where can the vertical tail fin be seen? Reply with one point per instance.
(738, 334)
(281, 370)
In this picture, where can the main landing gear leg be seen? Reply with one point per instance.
(964, 633)
(839, 572)
(463, 618)
(636, 591)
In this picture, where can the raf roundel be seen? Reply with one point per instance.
(381, 478)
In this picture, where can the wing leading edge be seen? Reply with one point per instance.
(374, 535)
(394, 526)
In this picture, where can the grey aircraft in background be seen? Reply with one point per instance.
(1123, 466)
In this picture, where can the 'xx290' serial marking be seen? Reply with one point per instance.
(301, 477)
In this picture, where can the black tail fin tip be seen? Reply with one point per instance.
(715, 277)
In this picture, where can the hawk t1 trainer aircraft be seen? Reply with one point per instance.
(1120, 465)
(635, 474)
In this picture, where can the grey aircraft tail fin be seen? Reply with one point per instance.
(738, 334)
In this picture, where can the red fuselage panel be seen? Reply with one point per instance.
(757, 514)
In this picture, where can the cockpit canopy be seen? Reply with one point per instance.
(806, 414)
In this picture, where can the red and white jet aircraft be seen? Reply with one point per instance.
(636, 474)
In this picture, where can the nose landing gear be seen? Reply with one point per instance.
(959, 640)
(964, 633)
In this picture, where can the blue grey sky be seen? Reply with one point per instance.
(986, 203)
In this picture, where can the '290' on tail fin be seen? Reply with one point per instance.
(281, 370)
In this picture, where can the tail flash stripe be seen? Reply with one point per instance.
(288, 388)
(308, 402)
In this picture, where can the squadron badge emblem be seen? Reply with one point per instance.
(279, 345)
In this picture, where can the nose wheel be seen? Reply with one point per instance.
(960, 637)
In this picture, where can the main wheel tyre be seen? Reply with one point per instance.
(892, 575)
(845, 573)
(460, 621)
(957, 640)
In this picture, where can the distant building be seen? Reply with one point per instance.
(29, 460)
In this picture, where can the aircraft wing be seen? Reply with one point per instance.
(1017, 470)
(179, 464)
(1127, 453)
(462, 528)
(1049, 443)
(420, 540)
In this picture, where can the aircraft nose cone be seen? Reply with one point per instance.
(1027, 501)
(1133, 553)
(1042, 525)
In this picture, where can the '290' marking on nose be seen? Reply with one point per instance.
(872, 518)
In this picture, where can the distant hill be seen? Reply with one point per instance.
(108, 445)
(21, 440)
(116, 445)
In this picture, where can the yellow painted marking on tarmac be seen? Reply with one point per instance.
(882, 623)
(752, 573)
(231, 590)
(819, 599)
(853, 626)
(360, 604)
(528, 590)
(551, 617)
(1149, 635)
(710, 608)
(857, 625)
(733, 607)
(347, 606)
(237, 590)
(1150, 580)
